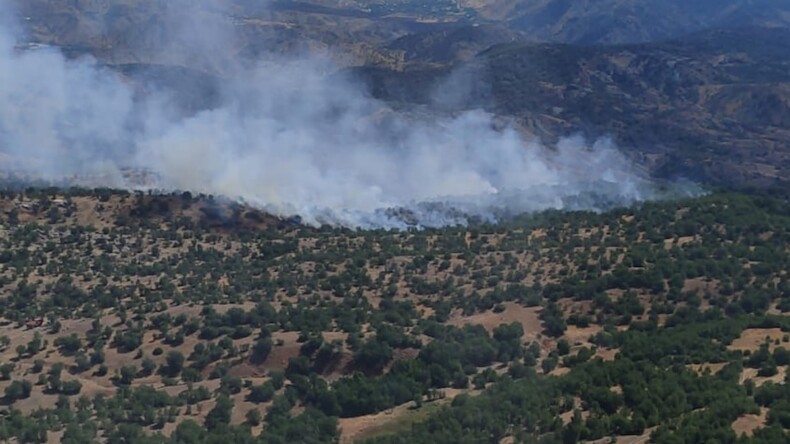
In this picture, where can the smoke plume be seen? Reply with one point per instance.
(289, 138)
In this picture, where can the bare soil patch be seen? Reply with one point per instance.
(751, 373)
(747, 424)
(280, 354)
(751, 339)
(607, 354)
(399, 418)
(581, 336)
(708, 366)
(527, 316)
(627, 439)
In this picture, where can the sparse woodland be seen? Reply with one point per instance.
(138, 318)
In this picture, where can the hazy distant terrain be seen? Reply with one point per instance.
(713, 106)
(692, 89)
(636, 21)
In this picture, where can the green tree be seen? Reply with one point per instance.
(220, 415)
(18, 390)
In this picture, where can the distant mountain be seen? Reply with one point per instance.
(163, 32)
(631, 21)
(713, 106)
(695, 88)
(387, 33)
(451, 45)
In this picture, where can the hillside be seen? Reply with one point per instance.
(142, 317)
(128, 31)
(132, 315)
(710, 104)
(629, 21)
(160, 32)
(717, 105)
(713, 107)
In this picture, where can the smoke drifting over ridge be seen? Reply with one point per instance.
(290, 139)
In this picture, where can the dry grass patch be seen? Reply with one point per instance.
(607, 354)
(701, 369)
(751, 373)
(627, 439)
(751, 339)
(280, 354)
(394, 420)
(747, 424)
(581, 336)
(567, 417)
(527, 316)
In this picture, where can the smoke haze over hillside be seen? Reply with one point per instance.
(288, 138)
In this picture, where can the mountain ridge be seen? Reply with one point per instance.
(711, 104)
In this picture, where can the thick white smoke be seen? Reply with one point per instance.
(291, 139)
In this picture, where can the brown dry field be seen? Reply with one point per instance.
(751, 339)
(397, 418)
(627, 439)
(751, 373)
(527, 316)
(713, 368)
(747, 424)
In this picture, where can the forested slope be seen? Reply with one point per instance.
(144, 318)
